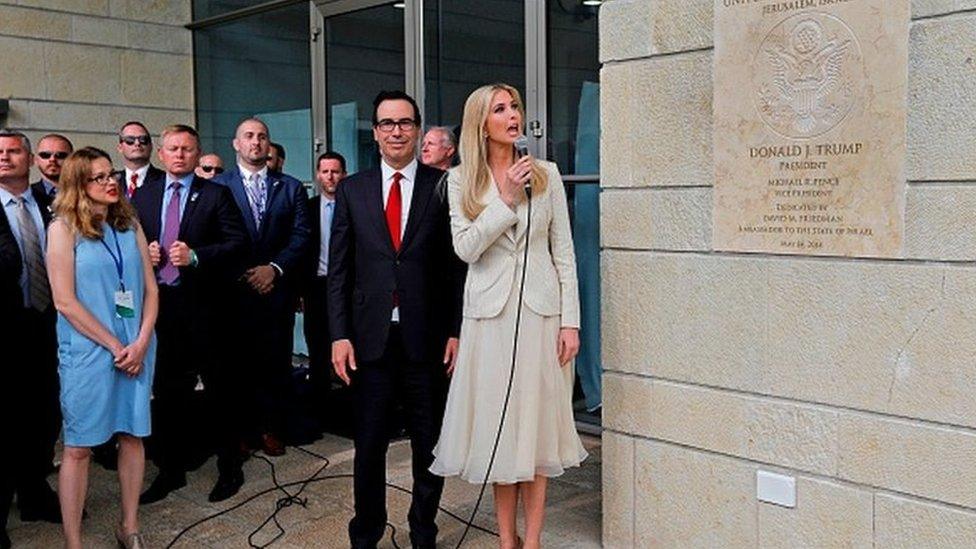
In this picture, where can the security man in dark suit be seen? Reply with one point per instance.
(52, 150)
(275, 211)
(28, 379)
(394, 314)
(330, 169)
(196, 242)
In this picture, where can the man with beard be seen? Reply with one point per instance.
(275, 211)
(52, 149)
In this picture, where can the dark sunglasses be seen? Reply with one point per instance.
(46, 155)
(215, 169)
(132, 139)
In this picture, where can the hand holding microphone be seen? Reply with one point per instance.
(518, 177)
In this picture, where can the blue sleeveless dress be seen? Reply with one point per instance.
(97, 399)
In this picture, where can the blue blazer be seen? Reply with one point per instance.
(283, 238)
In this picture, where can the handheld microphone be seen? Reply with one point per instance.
(522, 149)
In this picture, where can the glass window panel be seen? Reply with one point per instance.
(573, 87)
(364, 55)
(469, 44)
(257, 66)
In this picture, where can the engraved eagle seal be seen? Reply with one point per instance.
(807, 75)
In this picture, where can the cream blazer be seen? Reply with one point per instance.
(493, 245)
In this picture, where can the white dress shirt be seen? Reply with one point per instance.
(140, 176)
(409, 173)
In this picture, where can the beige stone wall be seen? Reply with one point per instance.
(83, 67)
(858, 377)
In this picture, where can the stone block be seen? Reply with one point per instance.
(157, 79)
(690, 499)
(98, 31)
(23, 73)
(908, 457)
(618, 490)
(660, 219)
(826, 516)
(160, 38)
(33, 23)
(928, 8)
(664, 141)
(884, 337)
(90, 7)
(616, 126)
(637, 28)
(942, 99)
(19, 116)
(905, 524)
(786, 434)
(627, 403)
(82, 73)
(168, 12)
(938, 222)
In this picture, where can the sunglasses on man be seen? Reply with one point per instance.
(215, 169)
(46, 155)
(133, 139)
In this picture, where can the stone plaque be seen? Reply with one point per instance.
(810, 126)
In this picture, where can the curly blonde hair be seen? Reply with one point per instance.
(73, 205)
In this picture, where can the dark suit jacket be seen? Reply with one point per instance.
(285, 229)
(364, 269)
(11, 260)
(39, 186)
(152, 173)
(211, 226)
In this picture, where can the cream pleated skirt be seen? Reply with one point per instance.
(539, 436)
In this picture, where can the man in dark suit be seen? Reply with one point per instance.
(52, 150)
(135, 146)
(330, 169)
(28, 378)
(196, 242)
(394, 314)
(275, 211)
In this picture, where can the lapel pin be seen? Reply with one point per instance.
(193, 197)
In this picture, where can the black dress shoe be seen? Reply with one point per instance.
(161, 487)
(227, 485)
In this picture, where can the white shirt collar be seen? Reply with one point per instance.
(246, 174)
(141, 172)
(409, 171)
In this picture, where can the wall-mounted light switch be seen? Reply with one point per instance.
(775, 488)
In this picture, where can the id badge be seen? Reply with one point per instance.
(124, 304)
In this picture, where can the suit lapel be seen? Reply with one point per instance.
(236, 184)
(191, 204)
(490, 195)
(272, 187)
(152, 194)
(43, 203)
(423, 189)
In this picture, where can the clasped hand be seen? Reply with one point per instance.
(129, 359)
(179, 254)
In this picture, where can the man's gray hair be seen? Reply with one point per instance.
(23, 138)
(448, 135)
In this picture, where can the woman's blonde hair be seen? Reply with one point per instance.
(474, 171)
(73, 205)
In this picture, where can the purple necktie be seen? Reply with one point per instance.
(168, 273)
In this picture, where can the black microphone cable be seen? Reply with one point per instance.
(295, 499)
(511, 373)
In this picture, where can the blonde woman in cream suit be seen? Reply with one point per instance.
(488, 222)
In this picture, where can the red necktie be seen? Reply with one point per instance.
(394, 207)
(131, 191)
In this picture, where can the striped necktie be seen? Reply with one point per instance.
(38, 290)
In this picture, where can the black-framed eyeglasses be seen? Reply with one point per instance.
(104, 179)
(405, 124)
(133, 139)
(215, 169)
(46, 155)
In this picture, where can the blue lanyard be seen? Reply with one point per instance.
(119, 265)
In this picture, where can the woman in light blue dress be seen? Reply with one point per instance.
(105, 292)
